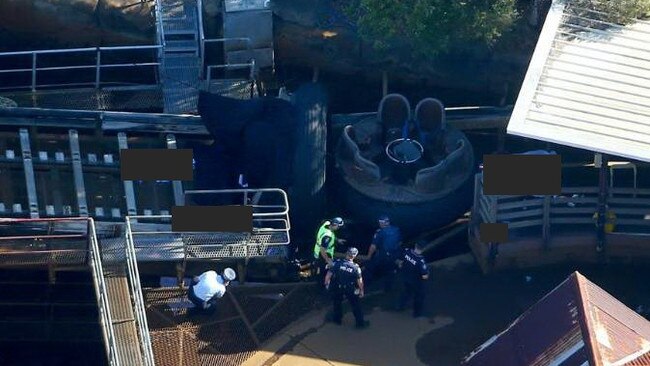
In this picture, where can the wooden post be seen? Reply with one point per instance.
(384, 83)
(603, 184)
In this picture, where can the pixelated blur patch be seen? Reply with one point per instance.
(156, 164)
(493, 233)
(236, 219)
(522, 174)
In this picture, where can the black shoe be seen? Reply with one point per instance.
(363, 325)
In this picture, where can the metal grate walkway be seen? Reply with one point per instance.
(178, 32)
(123, 322)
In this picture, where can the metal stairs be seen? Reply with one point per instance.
(179, 27)
(118, 297)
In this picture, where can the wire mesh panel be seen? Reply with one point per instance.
(269, 237)
(245, 316)
(25, 242)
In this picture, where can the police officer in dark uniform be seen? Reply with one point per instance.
(344, 279)
(383, 252)
(414, 271)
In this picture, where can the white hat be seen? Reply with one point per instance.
(229, 274)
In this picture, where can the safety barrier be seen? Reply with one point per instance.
(269, 237)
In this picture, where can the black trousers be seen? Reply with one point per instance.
(198, 303)
(320, 263)
(337, 299)
(413, 288)
(379, 267)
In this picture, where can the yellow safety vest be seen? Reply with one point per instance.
(324, 231)
(610, 221)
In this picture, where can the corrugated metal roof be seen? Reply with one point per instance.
(588, 84)
(619, 333)
(577, 323)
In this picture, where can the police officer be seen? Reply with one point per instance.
(344, 279)
(414, 272)
(325, 244)
(384, 250)
(208, 287)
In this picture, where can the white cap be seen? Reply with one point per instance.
(229, 274)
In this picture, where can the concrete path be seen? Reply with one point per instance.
(390, 340)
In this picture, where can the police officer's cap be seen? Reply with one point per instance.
(337, 221)
(352, 251)
(384, 218)
(229, 274)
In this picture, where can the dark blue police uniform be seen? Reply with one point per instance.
(345, 274)
(413, 268)
(387, 240)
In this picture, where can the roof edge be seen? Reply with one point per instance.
(590, 339)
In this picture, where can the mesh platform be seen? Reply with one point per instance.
(246, 318)
(145, 99)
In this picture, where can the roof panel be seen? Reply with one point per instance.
(588, 85)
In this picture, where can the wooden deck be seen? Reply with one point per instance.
(544, 230)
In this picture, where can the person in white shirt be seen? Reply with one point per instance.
(208, 287)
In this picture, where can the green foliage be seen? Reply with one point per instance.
(613, 11)
(430, 27)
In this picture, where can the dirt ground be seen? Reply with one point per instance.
(464, 308)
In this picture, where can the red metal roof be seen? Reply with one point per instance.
(577, 323)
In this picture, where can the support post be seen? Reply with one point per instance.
(546, 220)
(384, 83)
(603, 184)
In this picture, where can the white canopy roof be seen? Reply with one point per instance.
(588, 84)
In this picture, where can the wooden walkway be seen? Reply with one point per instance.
(544, 230)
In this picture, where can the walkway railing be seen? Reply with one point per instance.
(270, 235)
(14, 250)
(138, 300)
(575, 206)
(28, 62)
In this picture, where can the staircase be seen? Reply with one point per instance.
(179, 28)
(103, 305)
(123, 318)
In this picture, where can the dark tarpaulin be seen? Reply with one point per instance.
(255, 137)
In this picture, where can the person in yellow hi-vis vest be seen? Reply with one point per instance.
(610, 220)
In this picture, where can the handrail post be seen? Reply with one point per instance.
(98, 67)
(34, 71)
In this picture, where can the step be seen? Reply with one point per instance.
(181, 44)
(126, 333)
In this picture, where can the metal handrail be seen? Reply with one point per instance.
(102, 295)
(138, 301)
(199, 9)
(98, 66)
(246, 192)
(246, 40)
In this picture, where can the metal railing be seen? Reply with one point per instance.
(98, 66)
(90, 252)
(269, 237)
(137, 299)
(209, 68)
